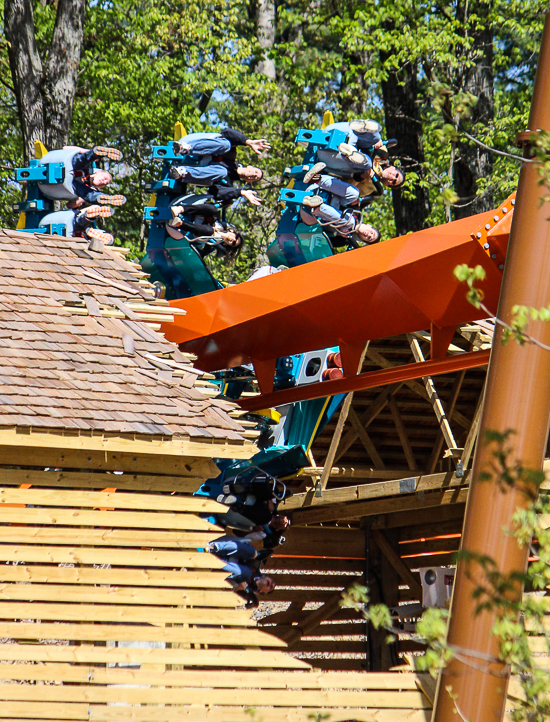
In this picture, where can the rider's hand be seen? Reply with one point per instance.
(251, 197)
(258, 145)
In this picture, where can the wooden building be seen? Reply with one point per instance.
(109, 608)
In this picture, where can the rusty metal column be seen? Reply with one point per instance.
(518, 397)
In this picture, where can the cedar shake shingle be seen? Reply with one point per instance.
(61, 367)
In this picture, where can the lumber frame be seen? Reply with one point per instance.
(335, 441)
(433, 396)
(355, 510)
(397, 563)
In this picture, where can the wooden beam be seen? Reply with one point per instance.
(147, 633)
(117, 500)
(450, 408)
(400, 426)
(119, 595)
(366, 418)
(474, 429)
(118, 557)
(409, 485)
(124, 614)
(356, 510)
(314, 619)
(95, 480)
(193, 657)
(344, 473)
(111, 519)
(114, 577)
(397, 563)
(135, 444)
(336, 437)
(365, 440)
(433, 396)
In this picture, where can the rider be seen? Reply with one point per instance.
(202, 220)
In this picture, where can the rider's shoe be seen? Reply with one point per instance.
(104, 152)
(312, 201)
(106, 200)
(314, 171)
(352, 154)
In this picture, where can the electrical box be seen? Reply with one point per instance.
(437, 586)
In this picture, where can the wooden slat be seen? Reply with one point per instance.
(147, 633)
(122, 557)
(406, 699)
(38, 712)
(122, 613)
(208, 679)
(377, 490)
(107, 460)
(110, 519)
(355, 510)
(226, 658)
(119, 595)
(287, 563)
(90, 480)
(314, 580)
(114, 577)
(118, 500)
(105, 537)
(163, 448)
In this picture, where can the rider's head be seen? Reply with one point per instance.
(392, 177)
(100, 178)
(249, 173)
(367, 233)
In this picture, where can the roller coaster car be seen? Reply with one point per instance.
(178, 265)
(306, 244)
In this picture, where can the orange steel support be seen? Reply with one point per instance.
(368, 380)
(518, 398)
(399, 286)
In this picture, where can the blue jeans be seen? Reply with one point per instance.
(230, 547)
(339, 164)
(363, 141)
(342, 193)
(203, 175)
(343, 223)
(207, 143)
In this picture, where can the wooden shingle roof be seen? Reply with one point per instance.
(79, 348)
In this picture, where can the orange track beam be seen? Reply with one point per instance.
(402, 285)
(369, 380)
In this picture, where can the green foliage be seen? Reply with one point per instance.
(147, 65)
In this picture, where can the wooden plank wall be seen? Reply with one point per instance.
(317, 564)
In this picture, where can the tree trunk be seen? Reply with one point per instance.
(400, 95)
(473, 162)
(265, 24)
(26, 71)
(44, 89)
(61, 71)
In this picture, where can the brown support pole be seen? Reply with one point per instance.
(518, 398)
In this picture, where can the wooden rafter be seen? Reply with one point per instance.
(433, 397)
(397, 563)
(403, 437)
(335, 441)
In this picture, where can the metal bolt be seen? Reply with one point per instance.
(487, 226)
(513, 201)
(478, 235)
(495, 218)
(505, 210)
(493, 255)
(486, 246)
(500, 266)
